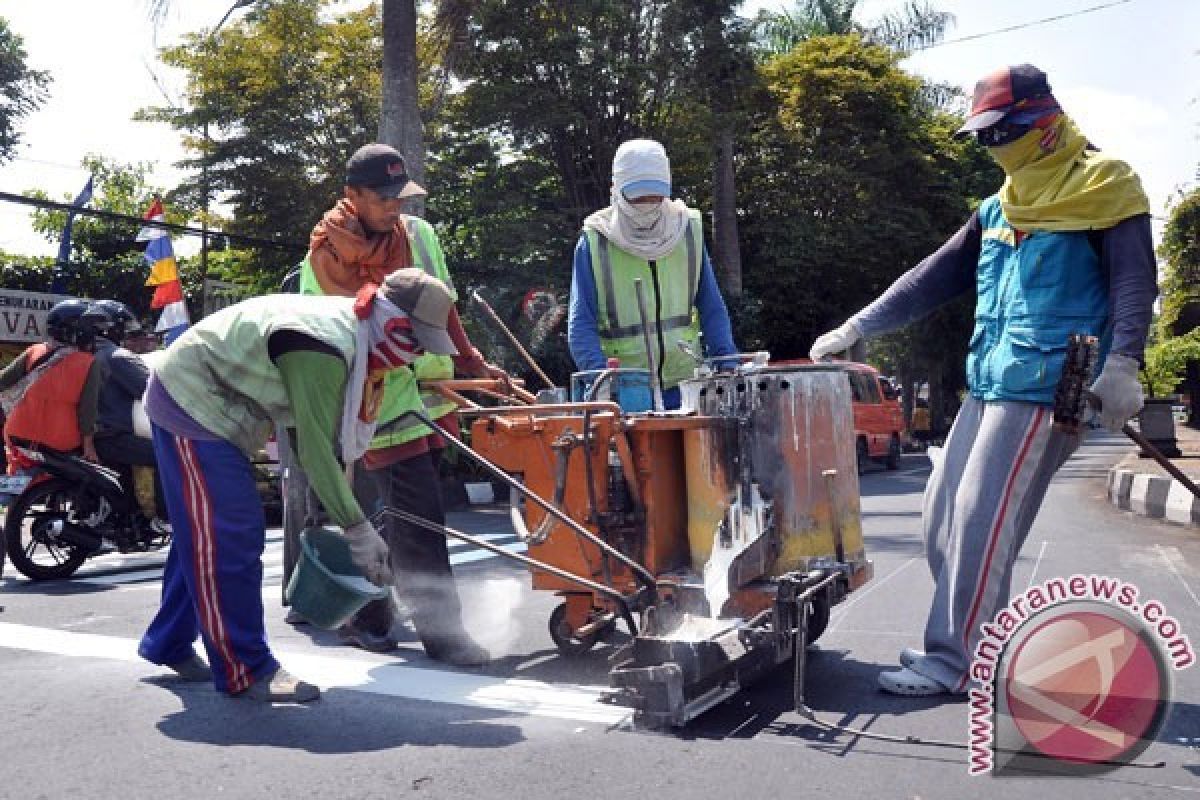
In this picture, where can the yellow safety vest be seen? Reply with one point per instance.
(669, 283)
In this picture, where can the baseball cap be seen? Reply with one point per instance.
(381, 169)
(427, 302)
(998, 93)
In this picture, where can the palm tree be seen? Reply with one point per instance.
(914, 26)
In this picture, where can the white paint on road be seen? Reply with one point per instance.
(1037, 563)
(858, 596)
(510, 695)
(1174, 558)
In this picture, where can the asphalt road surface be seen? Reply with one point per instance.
(82, 717)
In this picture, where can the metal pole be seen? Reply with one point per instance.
(204, 217)
(512, 339)
(655, 384)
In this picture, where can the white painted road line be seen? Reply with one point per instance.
(510, 695)
(839, 614)
(273, 559)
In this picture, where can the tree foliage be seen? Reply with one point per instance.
(855, 179)
(1174, 356)
(285, 97)
(105, 260)
(914, 25)
(22, 90)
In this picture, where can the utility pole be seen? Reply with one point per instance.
(205, 187)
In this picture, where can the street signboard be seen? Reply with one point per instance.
(23, 314)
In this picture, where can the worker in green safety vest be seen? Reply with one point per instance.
(362, 237)
(646, 235)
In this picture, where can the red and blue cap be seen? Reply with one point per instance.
(1006, 92)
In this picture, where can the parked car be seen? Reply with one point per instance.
(879, 430)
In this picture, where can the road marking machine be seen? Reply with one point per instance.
(721, 534)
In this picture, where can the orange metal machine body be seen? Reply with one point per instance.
(649, 454)
(657, 487)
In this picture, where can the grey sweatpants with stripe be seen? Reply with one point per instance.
(980, 503)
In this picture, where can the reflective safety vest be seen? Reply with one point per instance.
(1030, 297)
(401, 392)
(48, 412)
(221, 373)
(669, 283)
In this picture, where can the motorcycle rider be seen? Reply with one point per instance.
(123, 382)
(49, 392)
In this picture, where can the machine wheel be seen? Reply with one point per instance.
(863, 455)
(34, 554)
(894, 452)
(565, 639)
(818, 617)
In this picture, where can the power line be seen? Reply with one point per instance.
(1023, 25)
(113, 216)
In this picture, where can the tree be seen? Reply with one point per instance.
(1175, 354)
(22, 90)
(855, 178)
(286, 97)
(724, 80)
(915, 25)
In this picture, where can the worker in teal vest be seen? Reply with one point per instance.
(363, 236)
(645, 234)
(1064, 247)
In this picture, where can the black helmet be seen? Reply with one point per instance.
(64, 323)
(111, 319)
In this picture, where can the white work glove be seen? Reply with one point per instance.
(836, 341)
(1118, 390)
(369, 552)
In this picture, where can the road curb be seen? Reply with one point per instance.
(1154, 496)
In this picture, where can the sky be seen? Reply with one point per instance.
(1129, 74)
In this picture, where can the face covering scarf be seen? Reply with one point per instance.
(351, 255)
(384, 340)
(648, 231)
(1055, 183)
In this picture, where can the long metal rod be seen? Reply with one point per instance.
(532, 563)
(1149, 449)
(637, 569)
(655, 383)
(512, 339)
(1162, 460)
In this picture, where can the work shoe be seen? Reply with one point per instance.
(192, 669)
(460, 650)
(373, 642)
(910, 656)
(282, 687)
(910, 684)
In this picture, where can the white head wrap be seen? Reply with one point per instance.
(648, 233)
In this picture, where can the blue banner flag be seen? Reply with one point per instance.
(59, 286)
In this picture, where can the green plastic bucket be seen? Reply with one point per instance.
(326, 588)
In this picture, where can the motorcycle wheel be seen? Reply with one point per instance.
(30, 549)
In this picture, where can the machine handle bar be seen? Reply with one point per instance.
(532, 563)
(640, 572)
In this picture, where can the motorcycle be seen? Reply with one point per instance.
(70, 510)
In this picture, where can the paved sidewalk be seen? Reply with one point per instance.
(1142, 486)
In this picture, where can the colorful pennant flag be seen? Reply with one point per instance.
(164, 275)
(59, 284)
